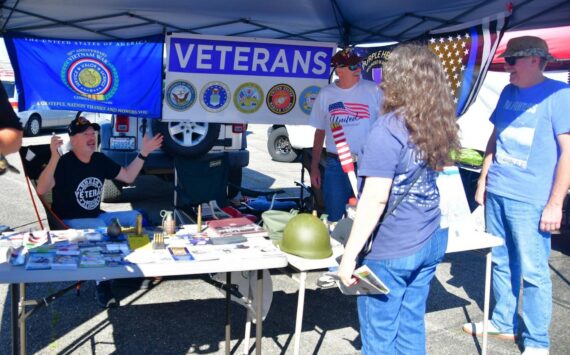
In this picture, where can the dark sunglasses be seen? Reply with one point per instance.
(511, 60)
(350, 67)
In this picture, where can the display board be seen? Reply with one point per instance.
(243, 80)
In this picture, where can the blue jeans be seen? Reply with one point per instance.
(336, 189)
(394, 323)
(525, 253)
(126, 218)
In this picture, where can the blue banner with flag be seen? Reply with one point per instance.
(466, 52)
(117, 77)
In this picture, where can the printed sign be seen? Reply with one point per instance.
(261, 76)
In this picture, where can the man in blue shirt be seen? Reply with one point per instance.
(524, 180)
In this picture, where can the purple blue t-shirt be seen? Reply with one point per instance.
(388, 153)
(527, 122)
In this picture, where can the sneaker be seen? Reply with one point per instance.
(535, 351)
(326, 281)
(477, 329)
(104, 295)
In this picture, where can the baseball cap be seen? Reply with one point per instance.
(526, 46)
(345, 57)
(79, 125)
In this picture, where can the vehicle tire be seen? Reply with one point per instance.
(112, 191)
(279, 147)
(188, 138)
(34, 125)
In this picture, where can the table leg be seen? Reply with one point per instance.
(22, 318)
(486, 301)
(228, 309)
(259, 312)
(15, 299)
(247, 334)
(300, 308)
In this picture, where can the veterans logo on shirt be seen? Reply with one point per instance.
(88, 193)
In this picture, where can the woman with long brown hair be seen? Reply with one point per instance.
(398, 168)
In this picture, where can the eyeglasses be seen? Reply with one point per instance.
(350, 67)
(511, 60)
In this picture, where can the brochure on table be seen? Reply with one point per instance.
(72, 249)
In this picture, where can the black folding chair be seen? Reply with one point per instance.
(34, 160)
(204, 180)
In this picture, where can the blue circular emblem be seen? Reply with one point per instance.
(180, 95)
(307, 98)
(215, 96)
(90, 74)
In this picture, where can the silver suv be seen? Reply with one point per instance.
(121, 140)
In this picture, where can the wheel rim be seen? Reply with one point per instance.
(282, 145)
(187, 134)
(35, 126)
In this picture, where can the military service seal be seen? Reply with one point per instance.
(308, 97)
(215, 96)
(180, 95)
(248, 97)
(90, 74)
(281, 99)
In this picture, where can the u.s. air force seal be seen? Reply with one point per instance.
(248, 97)
(308, 97)
(180, 95)
(281, 99)
(215, 96)
(89, 73)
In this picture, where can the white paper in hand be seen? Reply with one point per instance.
(368, 283)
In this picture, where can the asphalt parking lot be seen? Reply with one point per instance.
(186, 315)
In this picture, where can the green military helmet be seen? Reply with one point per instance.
(306, 236)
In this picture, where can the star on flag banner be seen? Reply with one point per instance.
(466, 52)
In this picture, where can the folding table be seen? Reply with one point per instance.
(18, 277)
(461, 241)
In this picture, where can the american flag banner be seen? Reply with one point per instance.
(344, 155)
(466, 52)
(342, 148)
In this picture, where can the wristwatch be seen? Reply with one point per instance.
(141, 157)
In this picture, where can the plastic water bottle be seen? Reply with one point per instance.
(351, 208)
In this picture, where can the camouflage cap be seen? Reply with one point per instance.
(526, 46)
(345, 57)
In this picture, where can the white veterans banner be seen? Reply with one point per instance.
(243, 80)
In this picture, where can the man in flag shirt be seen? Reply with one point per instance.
(342, 114)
